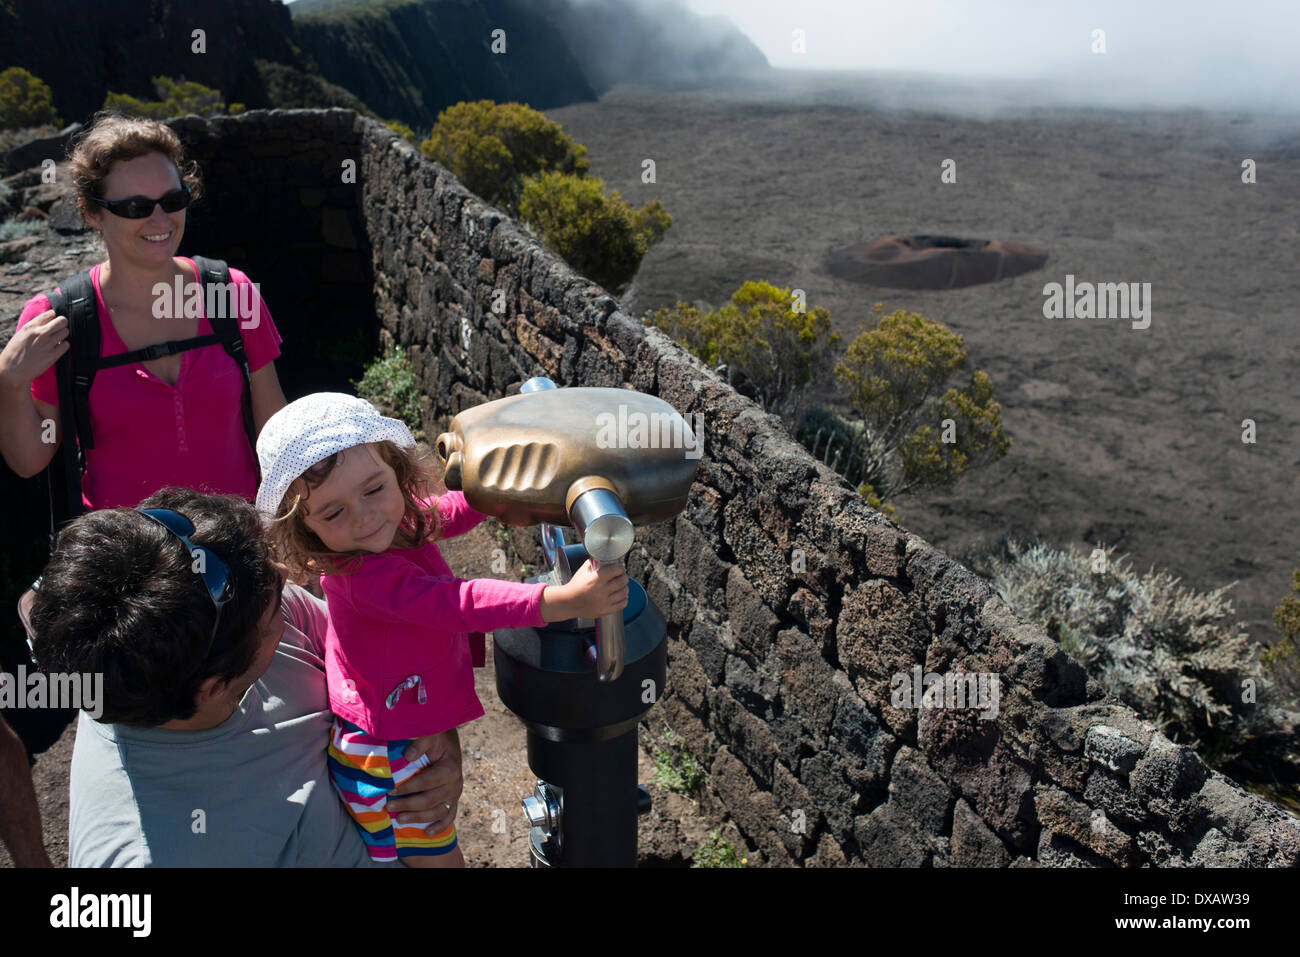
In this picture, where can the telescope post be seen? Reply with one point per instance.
(581, 687)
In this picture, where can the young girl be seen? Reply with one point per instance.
(347, 495)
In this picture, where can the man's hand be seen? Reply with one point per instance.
(432, 793)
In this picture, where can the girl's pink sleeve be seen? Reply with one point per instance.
(44, 387)
(391, 588)
(457, 515)
(261, 338)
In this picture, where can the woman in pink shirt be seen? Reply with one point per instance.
(175, 420)
(346, 493)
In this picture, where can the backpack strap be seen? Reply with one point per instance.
(157, 351)
(73, 371)
(226, 329)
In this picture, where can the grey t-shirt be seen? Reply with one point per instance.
(251, 792)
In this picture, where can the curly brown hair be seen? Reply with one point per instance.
(115, 136)
(305, 555)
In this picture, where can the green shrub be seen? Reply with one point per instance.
(25, 100)
(868, 491)
(600, 236)
(676, 768)
(897, 378)
(1281, 661)
(404, 131)
(517, 159)
(716, 852)
(774, 349)
(700, 333)
(915, 429)
(175, 98)
(390, 381)
(1177, 656)
(493, 147)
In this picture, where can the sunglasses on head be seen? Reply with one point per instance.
(137, 207)
(216, 577)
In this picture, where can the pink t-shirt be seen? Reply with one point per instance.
(403, 613)
(149, 434)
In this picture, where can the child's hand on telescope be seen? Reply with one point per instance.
(590, 593)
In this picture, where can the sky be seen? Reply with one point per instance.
(1197, 52)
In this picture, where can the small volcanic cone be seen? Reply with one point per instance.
(932, 262)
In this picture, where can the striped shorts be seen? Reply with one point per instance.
(364, 770)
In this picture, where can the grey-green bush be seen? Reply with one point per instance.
(12, 229)
(1177, 656)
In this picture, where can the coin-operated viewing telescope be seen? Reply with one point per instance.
(601, 461)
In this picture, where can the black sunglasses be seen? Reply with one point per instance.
(216, 577)
(137, 207)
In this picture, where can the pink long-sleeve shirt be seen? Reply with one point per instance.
(149, 433)
(402, 613)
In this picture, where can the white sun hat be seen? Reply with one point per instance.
(314, 428)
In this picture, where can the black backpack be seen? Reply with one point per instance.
(75, 371)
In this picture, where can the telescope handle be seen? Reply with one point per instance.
(611, 649)
(557, 559)
(598, 515)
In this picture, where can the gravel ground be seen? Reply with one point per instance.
(1121, 436)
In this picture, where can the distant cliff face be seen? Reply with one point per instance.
(83, 50)
(401, 59)
(621, 41)
(412, 60)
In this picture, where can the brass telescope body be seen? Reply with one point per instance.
(526, 458)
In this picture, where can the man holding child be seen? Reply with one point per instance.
(211, 748)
